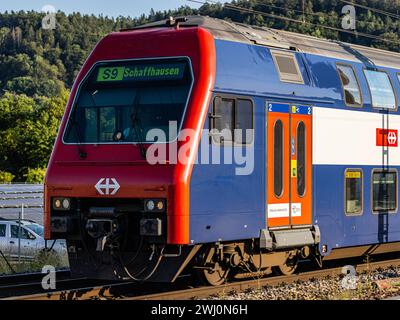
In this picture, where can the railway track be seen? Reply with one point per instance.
(131, 291)
(17, 285)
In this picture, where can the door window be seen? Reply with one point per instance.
(2, 230)
(278, 158)
(301, 158)
(25, 234)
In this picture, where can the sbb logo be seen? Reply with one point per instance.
(386, 138)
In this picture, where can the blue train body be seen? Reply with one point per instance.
(228, 207)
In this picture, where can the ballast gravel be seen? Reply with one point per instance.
(364, 286)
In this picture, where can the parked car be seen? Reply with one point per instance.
(28, 236)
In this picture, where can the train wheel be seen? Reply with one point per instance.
(289, 267)
(215, 276)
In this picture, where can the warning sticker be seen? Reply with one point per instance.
(296, 209)
(278, 210)
(353, 174)
(293, 169)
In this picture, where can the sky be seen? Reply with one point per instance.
(111, 8)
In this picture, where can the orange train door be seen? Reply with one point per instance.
(289, 165)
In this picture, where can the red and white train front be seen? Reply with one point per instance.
(116, 210)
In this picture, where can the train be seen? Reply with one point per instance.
(195, 145)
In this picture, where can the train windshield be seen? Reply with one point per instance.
(123, 102)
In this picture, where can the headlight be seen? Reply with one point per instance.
(154, 205)
(160, 205)
(66, 204)
(150, 205)
(57, 204)
(62, 204)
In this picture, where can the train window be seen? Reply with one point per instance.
(384, 191)
(244, 121)
(107, 124)
(132, 97)
(278, 158)
(232, 120)
(381, 89)
(223, 119)
(353, 191)
(287, 66)
(301, 159)
(351, 87)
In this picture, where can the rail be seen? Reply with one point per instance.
(124, 290)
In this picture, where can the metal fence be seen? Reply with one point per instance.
(24, 201)
(21, 201)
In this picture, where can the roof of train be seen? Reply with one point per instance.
(239, 32)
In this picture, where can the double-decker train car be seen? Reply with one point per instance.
(271, 147)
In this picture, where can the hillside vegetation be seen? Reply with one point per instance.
(38, 67)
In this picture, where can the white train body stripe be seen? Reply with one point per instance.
(348, 137)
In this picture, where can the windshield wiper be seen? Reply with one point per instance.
(137, 126)
(82, 154)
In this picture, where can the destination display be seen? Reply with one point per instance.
(142, 72)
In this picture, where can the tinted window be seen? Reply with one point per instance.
(384, 191)
(301, 159)
(133, 98)
(2, 230)
(350, 85)
(381, 89)
(223, 120)
(278, 158)
(353, 201)
(243, 121)
(38, 229)
(15, 231)
(233, 120)
(287, 67)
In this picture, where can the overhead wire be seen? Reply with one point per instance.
(270, 15)
(386, 13)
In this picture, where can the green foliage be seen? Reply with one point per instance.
(28, 129)
(35, 175)
(6, 177)
(37, 66)
(58, 260)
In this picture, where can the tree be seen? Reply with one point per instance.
(37, 67)
(6, 177)
(29, 131)
(35, 175)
